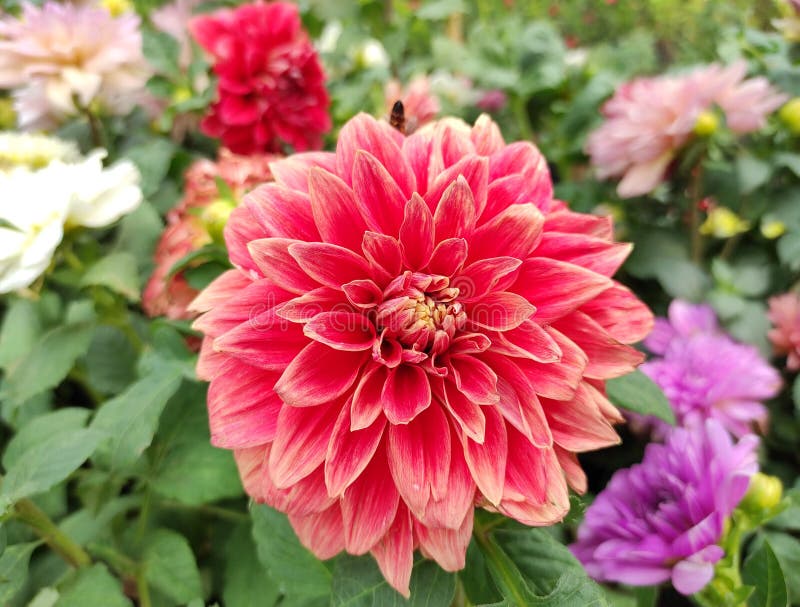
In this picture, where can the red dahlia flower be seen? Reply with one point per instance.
(414, 327)
(271, 84)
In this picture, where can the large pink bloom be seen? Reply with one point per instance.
(60, 53)
(784, 313)
(271, 85)
(649, 119)
(414, 327)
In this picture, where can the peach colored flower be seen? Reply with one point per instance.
(784, 313)
(413, 327)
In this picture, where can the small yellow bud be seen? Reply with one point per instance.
(707, 124)
(116, 7)
(790, 115)
(772, 228)
(215, 216)
(723, 223)
(8, 117)
(181, 94)
(765, 493)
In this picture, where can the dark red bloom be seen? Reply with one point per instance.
(271, 85)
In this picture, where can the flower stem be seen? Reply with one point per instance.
(502, 569)
(30, 514)
(695, 195)
(520, 108)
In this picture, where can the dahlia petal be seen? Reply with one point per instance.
(607, 357)
(210, 362)
(380, 199)
(363, 294)
(265, 341)
(250, 301)
(293, 171)
(475, 379)
(501, 311)
(568, 222)
(417, 150)
(448, 256)
(475, 169)
(365, 134)
(455, 211)
(579, 425)
(307, 496)
(329, 264)
(556, 380)
(319, 374)
(240, 231)
(282, 212)
(301, 442)
(304, 308)
(350, 451)
(341, 330)
(454, 145)
(450, 510)
(242, 407)
(487, 459)
(419, 465)
(335, 210)
(514, 232)
(369, 505)
(595, 254)
(576, 477)
(468, 415)
(486, 136)
(406, 393)
(643, 177)
(620, 313)
(395, 552)
(251, 462)
(448, 547)
(689, 576)
(383, 252)
(518, 157)
(322, 533)
(368, 397)
(481, 277)
(529, 340)
(220, 290)
(416, 233)
(271, 257)
(557, 288)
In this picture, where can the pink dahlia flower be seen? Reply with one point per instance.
(649, 119)
(784, 313)
(58, 54)
(414, 326)
(419, 103)
(663, 519)
(170, 294)
(271, 85)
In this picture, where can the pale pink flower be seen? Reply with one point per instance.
(413, 327)
(173, 19)
(59, 53)
(784, 313)
(419, 103)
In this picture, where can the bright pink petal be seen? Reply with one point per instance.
(481, 277)
(620, 313)
(271, 256)
(514, 232)
(265, 341)
(406, 393)
(335, 210)
(321, 533)
(341, 330)
(475, 379)
(395, 552)
(487, 459)
(368, 397)
(304, 308)
(529, 340)
(284, 213)
(329, 264)
(501, 311)
(455, 211)
(579, 425)
(557, 380)
(590, 252)
(448, 256)
(293, 171)
(350, 451)
(467, 414)
(448, 547)
(416, 234)
(383, 252)
(450, 510)
(380, 199)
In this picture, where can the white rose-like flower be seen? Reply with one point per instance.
(99, 196)
(32, 212)
(372, 54)
(34, 151)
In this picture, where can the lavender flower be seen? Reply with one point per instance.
(705, 374)
(663, 518)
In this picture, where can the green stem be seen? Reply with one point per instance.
(694, 219)
(216, 511)
(460, 599)
(520, 108)
(30, 514)
(501, 567)
(143, 591)
(94, 126)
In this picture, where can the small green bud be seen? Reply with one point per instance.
(764, 494)
(707, 124)
(215, 216)
(790, 115)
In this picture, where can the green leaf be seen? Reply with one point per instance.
(138, 234)
(110, 361)
(153, 158)
(789, 250)
(294, 568)
(638, 393)
(47, 463)
(14, 569)
(49, 425)
(130, 419)
(170, 566)
(357, 582)
(118, 272)
(246, 583)
(787, 549)
(161, 51)
(752, 172)
(796, 394)
(48, 362)
(189, 469)
(93, 587)
(763, 571)
(21, 327)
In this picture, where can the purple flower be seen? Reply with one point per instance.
(705, 374)
(662, 519)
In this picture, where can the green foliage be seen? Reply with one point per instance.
(638, 393)
(762, 570)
